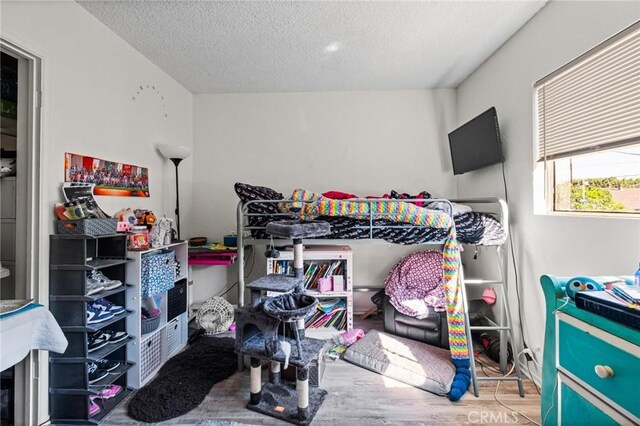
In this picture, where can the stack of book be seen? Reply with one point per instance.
(330, 313)
(629, 294)
(283, 267)
(317, 270)
(313, 271)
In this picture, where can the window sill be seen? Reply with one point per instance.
(598, 215)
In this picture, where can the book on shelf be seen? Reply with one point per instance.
(330, 313)
(313, 270)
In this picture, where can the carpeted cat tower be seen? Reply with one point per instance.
(272, 329)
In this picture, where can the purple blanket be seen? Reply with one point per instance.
(415, 283)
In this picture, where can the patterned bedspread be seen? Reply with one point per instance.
(473, 228)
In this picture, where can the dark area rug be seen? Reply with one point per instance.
(184, 381)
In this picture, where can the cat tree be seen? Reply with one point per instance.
(272, 329)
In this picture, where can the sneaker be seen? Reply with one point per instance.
(107, 365)
(108, 391)
(106, 306)
(93, 287)
(95, 373)
(93, 408)
(111, 336)
(96, 276)
(95, 342)
(95, 315)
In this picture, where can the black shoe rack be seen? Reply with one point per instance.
(71, 257)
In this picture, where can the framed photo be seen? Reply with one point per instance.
(109, 177)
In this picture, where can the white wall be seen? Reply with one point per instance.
(564, 246)
(367, 143)
(89, 77)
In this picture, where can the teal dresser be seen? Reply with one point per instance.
(591, 367)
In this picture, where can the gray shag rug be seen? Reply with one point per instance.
(221, 423)
(185, 380)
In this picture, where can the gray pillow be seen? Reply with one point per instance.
(411, 362)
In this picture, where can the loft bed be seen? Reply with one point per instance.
(385, 220)
(486, 225)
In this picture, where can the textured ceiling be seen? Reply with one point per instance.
(275, 46)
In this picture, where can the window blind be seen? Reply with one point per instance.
(592, 103)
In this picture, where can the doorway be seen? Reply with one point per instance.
(20, 220)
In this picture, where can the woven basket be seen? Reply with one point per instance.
(150, 324)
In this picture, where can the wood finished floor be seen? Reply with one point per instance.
(359, 397)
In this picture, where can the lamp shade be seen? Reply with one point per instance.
(171, 152)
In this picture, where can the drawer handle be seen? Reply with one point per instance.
(604, 371)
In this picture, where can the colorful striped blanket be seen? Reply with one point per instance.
(311, 205)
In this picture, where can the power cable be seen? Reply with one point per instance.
(252, 256)
(515, 273)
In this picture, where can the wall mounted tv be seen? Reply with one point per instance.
(476, 144)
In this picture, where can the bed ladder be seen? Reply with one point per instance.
(504, 328)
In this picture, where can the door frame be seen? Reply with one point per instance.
(32, 372)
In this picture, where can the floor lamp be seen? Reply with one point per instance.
(176, 154)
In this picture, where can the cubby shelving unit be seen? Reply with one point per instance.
(71, 258)
(319, 255)
(149, 351)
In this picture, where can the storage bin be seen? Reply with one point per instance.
(177, 300)
(105, 226)
(150, 356)
(157, 273)
(147, 325)
(174, 336)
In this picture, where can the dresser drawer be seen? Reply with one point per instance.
(583, 349)
(577, 407)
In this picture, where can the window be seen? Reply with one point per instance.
(588, 125)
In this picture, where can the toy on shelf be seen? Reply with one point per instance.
(578, 284)
(161, 232)
(126, 220)
(145, 217)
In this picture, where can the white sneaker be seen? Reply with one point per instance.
(93, 287)
(98, 277)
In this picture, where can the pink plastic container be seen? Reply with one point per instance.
(325, 285)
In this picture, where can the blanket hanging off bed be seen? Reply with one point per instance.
(313, 205)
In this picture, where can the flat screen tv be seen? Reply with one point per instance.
(476, 144)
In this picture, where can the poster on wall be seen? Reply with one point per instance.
(109, 177)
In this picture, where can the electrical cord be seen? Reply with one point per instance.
(489, 367)
(513, 257)
(522, 352)
(228, 290)
(495, 394)
(252, 256)
(553, 402)
(515, 273)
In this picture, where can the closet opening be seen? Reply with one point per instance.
(21, 220)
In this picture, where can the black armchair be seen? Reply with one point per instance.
(432, 330)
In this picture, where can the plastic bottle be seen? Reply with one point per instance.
(636, 278)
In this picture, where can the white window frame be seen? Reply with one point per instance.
(544, 170)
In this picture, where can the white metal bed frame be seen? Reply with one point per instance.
(492, 205)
